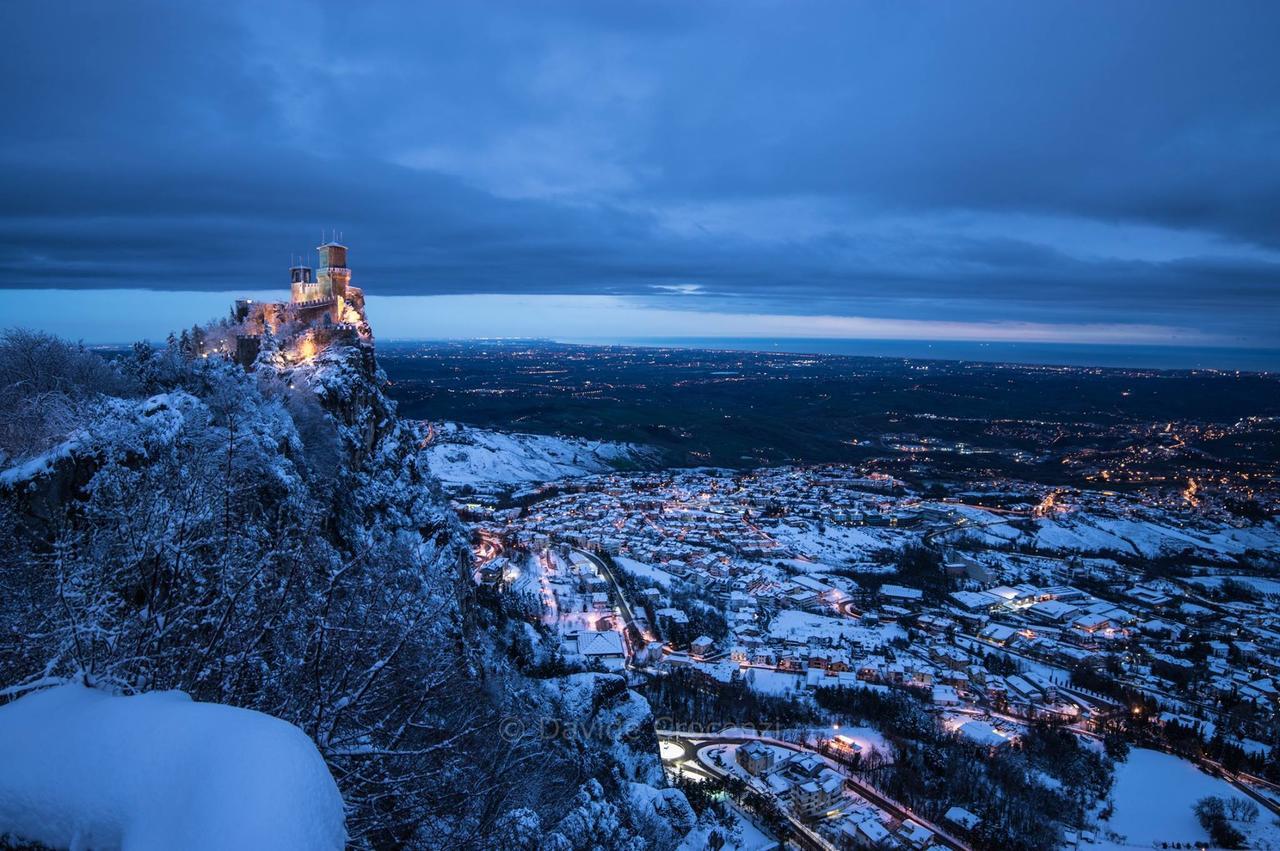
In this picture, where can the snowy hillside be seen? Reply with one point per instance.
(271, 539)
(1154, 796)
(1151, 535)
(461, 455)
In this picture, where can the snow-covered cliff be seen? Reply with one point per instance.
(271, 539)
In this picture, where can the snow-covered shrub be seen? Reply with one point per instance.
(47, 388)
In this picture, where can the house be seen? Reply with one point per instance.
(650, 654)
(901, 593)
(825, 592)
(1092, 623)
(844, 745)
(810, 786)
(605, 646)
(1051, 611)
(913, 835)
(671, 615)
(957, 564)
(1150, 596)
(755, 758)
(1024, 689)
(935, 623)
(949, 657)
(975, 601)
(859, 833)
(701, 646)
(999, 634)
(984, 734)
(962, 818)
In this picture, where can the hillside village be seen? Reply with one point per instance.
(997, 610)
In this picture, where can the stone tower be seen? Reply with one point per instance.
(333, 275)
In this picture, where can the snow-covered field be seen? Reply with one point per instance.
(777, 683)
(1268, 587)
(834, 544)
(644, 571)
(461, 455)
(80, 768)
(1085, 532)
(1153, 796)
(797, 625)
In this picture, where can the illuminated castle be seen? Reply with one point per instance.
(322, 306)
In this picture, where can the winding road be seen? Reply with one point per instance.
(691, 742)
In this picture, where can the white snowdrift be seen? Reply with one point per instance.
(81, 768)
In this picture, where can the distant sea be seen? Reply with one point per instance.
(1064, 354)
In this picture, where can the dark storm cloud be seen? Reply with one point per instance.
(1104, 162)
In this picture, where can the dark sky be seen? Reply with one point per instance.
(1078, 165)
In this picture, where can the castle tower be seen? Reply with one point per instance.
(302, 286)
(333, 275)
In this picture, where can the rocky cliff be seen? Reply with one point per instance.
(267, 538)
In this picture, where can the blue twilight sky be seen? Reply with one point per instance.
(1078, 172)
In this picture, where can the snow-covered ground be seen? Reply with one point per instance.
(833, 544)
(645, 571)
(461, 455)
(1153, 796)
(770, 681)
(744, 835)
(1267, 587)
(80, 768)
(1151, 536)
(800, 626)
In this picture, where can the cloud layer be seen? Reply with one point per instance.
(1073, 164)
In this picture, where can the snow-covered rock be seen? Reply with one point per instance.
(80, 768)
(601, 707)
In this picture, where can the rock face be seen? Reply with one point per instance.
(269, 539)
(603, 707)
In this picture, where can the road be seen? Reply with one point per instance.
(963, 523)
(430, 436)
(802, 834)
(624, 606)
(694, 741)
(486, 549)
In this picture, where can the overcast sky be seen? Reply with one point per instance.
(1078, 171)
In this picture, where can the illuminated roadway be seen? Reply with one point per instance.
(691, 742)
(624, 607)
